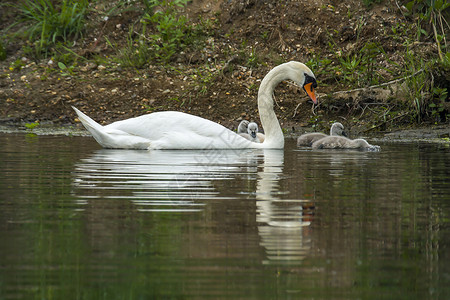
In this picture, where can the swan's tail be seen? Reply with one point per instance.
(111, 138)
(87, 122)
(96, 130)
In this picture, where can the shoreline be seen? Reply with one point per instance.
(430, 134)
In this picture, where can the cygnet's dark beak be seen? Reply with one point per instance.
(344, 133)
(253, 134)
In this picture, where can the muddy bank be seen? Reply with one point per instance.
(439, 134)
(220, 81)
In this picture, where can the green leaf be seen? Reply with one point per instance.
(31, 125)
(410, 5)
(62, 66)
(438, 4)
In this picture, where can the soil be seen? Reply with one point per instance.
(39, 91)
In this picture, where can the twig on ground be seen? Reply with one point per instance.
(275, 100)
(378, 85)
(384, 122)
(295, 110)
(227, 64)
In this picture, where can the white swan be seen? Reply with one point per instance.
(340, 142)
(177, 130)
(308, 138)
(249, 130)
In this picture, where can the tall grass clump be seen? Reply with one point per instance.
(171, 30)
(163, 32)
(435, 13)
(46, 23)
(429, 90)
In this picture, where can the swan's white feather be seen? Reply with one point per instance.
(164, 130)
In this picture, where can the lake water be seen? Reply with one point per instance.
(81, 222)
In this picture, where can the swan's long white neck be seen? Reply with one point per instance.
(272, 130)
(333, 129)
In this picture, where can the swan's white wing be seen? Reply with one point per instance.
(177, 130)
(157, 125)
(261, 137)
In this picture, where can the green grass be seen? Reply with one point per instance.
(366, 64)
(163, 32)
(46, 23)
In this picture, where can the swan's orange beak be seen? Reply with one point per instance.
(310, 91)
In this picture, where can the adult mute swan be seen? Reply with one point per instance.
(249, 130)
(177, 130)
(308, 138)
(340, 142)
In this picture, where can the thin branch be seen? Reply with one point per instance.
(227, 64)
(142, 36)
(442, 29)
(401, 10)
(438, 44)
(378, 85)
(295, 110)
(275, 100)
(384, 122)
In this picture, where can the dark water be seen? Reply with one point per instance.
(80, 222)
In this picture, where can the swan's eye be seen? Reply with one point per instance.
(310, 79)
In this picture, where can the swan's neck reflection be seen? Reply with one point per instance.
(282, 228)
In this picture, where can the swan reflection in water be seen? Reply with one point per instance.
(283, 223)
(166, 180)
(182, 181)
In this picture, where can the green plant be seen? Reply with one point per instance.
(172, 31)
(319, 64)
(46, 23)
(31, 126)
(432, 11)
(265, 35)
(163, 32)
(317, 122)
(418, 84)
(369, 54)
(446, 61)
(369, 3)
(203, 79)
(253, 59)
(65, 71)
(349, 64)
(2, 51)
(437, 109)
(360, 67)
(16, 65)
(137, 52)
(360, 26)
